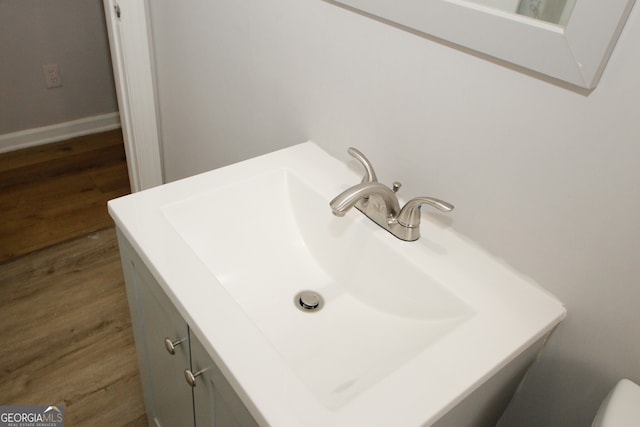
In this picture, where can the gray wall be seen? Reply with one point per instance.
(544, 177)
(69, 33)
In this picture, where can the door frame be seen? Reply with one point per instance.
(128, 29)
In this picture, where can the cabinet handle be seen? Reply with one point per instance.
(171, 345)
(191, 377)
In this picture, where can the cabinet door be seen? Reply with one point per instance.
(168, 398)
(216, 404)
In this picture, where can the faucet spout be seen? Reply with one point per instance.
(348, 198)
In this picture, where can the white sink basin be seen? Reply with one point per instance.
(271, 236)
(433, 332)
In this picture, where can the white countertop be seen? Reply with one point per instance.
(510, 311)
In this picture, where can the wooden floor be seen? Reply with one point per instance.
(64, 318)
(56, 192)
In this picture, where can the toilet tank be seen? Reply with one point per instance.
(621, 407)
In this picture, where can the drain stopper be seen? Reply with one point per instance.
(308, 301)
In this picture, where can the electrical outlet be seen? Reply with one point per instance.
(52, 76)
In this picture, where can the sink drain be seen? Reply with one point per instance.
(308, 301)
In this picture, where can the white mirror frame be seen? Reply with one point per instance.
(576, 53)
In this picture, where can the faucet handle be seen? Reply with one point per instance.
(370, 175)
(409, 215)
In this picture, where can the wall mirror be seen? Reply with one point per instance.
(569, 40)
(553, 11)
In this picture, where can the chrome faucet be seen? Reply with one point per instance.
(380, 203)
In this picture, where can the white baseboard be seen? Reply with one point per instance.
(58, 132)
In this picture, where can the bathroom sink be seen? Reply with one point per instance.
(430, 332)
(271, 236)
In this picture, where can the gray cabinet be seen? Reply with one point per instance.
(167, 352)
(216, 404)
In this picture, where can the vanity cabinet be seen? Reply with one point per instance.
(215, 402)
(169, 353)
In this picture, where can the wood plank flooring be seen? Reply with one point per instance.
(64, 318)
(56, 192)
